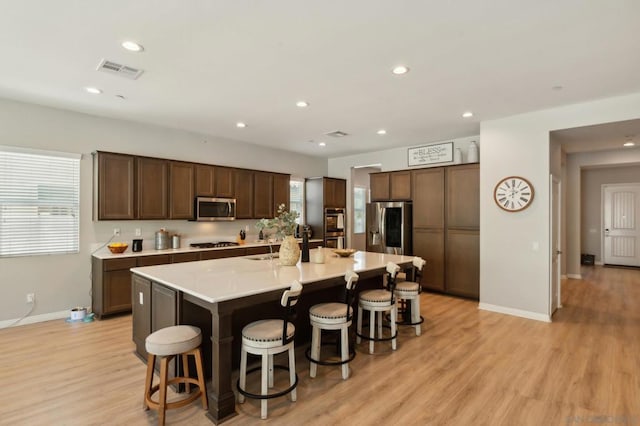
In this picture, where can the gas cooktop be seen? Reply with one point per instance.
(214, 244)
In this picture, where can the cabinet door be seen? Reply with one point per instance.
(116, 291)
(244, 194)
(379, 186)
(115, 189)
(164, 307)
(224, 182)
(280, 192)
(181, 190)
(463, 263)
(428, 198)
(185, 257)
(141, 318)
(429, 245)
(463, 196)
(152, 188)
(205, 181)
(160, 259)
(221, 254)
(262, 195)
(400, 185)
(335, 192)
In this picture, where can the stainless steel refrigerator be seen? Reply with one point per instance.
(389, 227)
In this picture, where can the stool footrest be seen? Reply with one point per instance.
(407, 322)
(352, 355)
(269, 395)
(174, 404)
(378, 339)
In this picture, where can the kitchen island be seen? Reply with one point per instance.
(230, 290)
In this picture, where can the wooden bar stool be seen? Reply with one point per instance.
(379, 301)
(333, 316)
(169, 343)
(268, 338)
(409, 291)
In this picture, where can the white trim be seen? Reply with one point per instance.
(515, 312)
(574, 276)
(32, 151)
(598, 263)
(563, 276)
(35, 318)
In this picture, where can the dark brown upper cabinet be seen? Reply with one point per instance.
(463, 197)
(181, 190)
(390, 186)
(115, 186)
(428, 198)
(205, 180)
(281, 192)
(262, 194)
(335, 192)
(152, 180)
(224, 182)
(244, 193)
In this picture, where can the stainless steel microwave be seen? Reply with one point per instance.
(211, 209)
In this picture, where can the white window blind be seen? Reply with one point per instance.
(296, 197)
(359, 209)
(39, 202)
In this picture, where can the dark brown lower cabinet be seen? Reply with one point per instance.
(141, 307)
(111, 285)
(463, 263)
(429, 245)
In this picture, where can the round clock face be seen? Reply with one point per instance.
(513, 194)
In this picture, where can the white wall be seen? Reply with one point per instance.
(514, 276)
(63, 281)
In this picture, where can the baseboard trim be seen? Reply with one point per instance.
(514, 312)
(563, 276)
(597, 263)
(35, 318)
(574, 276)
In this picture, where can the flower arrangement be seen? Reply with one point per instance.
(284, 223)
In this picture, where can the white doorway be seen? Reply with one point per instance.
(620, 215)
(555, 242)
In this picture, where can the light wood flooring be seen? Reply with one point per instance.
(469, 367)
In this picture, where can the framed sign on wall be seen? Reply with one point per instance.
(430, 154)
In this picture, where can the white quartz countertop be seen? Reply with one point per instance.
(231, 278)
(104, 253)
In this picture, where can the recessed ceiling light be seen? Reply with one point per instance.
(93, 90)
(382, 132)
(629, 144)
(121, 97)
(400, 69)
(557, 88)
(241, 125)
(322, 144)
(467, 114)
(302, 104)
(132, 46)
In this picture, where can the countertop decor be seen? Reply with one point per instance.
(284, 225)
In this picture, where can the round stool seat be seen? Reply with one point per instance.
(329, 313)
(173, 340)
(375, 297)
(408, 288)
(266, 333)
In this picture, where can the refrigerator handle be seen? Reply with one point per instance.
(383, 231)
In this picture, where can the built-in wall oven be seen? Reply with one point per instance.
(334, 228)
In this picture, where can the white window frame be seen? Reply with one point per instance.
(299, 180)
(365, 192)
(39, 202)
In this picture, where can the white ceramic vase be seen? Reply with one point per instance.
(472, 155)
(289, 251)
(457, 156)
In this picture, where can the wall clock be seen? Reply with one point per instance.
(513, 194)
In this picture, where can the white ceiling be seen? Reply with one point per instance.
(211, 63)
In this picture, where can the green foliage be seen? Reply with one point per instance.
(283, 224)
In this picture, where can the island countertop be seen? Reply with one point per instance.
(219, 280)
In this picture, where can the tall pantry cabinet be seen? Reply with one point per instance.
(446, 227)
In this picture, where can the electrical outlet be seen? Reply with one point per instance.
(138, 232)
(31, 297)
(116, 231)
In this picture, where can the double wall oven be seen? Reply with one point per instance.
(334, 228)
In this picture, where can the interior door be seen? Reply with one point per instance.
(621, 206)
(554, 279)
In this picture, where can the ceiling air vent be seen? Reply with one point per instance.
(337, 134)
(119, 69)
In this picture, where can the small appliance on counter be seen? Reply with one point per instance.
(175, 241)
(136, 246)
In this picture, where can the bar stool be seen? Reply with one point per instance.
(267, 338)
(379, 300)
(409, 291)
(169, 343)
(333, 316)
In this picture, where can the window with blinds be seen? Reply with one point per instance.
(296, 197)
(39, 202)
